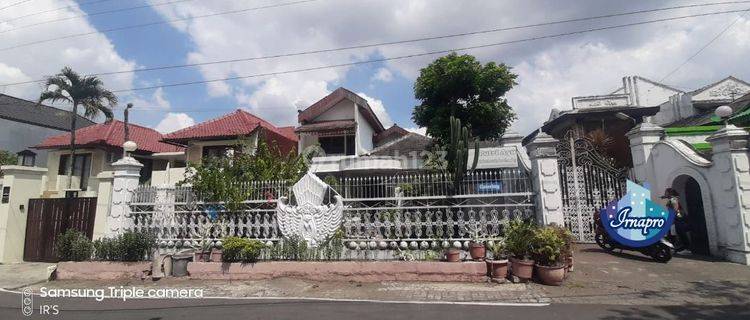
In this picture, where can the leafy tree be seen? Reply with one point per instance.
(85, 91)
(7, 158)
(215, 179)
(460, 86)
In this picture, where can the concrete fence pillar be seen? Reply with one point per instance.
(730, 158)
(103, 202)
(19, 185)
(642, 138)
(125, 181)
(545, 178)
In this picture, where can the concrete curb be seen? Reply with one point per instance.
(357, 271)
(101, 270)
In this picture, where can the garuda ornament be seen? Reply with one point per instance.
(310, 219)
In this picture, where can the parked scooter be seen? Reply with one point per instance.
(660, 251)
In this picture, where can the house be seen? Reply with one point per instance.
(223, 135)
(24, 124)
(97, 147)
(355, 143)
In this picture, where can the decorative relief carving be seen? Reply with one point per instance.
(310, 218)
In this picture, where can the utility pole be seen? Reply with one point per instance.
(127, 130)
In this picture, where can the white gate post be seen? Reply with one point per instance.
(127, 173)
(642, 139)
(545, 177)
(730, 158)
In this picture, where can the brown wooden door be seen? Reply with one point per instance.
(47, 218)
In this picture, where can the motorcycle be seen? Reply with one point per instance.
(660, 251)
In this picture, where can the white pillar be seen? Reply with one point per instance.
(545, 178)
(732, 198)
(642, 138)
(126, 176)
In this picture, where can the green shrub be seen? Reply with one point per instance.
(73, 246)
(519, 238)
(548, 247)
(236, 249)
(129, 246)
(294, 248)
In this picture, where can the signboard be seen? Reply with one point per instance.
(500, 157)
(614, 100)
(635, 220)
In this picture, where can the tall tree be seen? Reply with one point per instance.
(80, 91)
(460, 86)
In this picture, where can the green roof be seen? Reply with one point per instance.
(691, 131)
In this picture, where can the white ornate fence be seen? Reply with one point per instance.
(381, 213)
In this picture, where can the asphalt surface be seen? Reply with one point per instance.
(157, 309)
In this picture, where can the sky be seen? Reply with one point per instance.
(39, 37)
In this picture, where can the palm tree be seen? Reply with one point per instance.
(85, 91)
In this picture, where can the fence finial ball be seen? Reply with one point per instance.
(723, 112)
(129, 146)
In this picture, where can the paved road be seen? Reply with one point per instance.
(152, 309)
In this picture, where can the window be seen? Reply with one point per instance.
(26, 158)
(340, 145)
(112, 156)
(217, 151)
(81, 168)
(6, 194)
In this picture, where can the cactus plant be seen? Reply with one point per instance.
(458, 151)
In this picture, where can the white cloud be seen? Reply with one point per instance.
(90, 54)
(173, 122)
(379, 109)
(382, 75)
(550, 71)
(157, 101)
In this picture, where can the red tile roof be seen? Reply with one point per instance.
(112, 134)
(232, 125)
(289, 132)
(318, 108)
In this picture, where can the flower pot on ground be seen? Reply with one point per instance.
(216, 254)
(551, 276)
(201, 256)
(519, 241)
(548, 253)
(568, 247)
(453, 255)
(477, 251)
(497, 267)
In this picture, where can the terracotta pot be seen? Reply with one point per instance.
(201, 256)
(551, 276)
(216, 255)
(497, 269)
(477, 251)
(453, 255)
(523, 269)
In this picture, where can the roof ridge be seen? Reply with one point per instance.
(45, 106)
(224, 116)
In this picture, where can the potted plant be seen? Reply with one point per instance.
(497, 267)
(477, 250)
(518, 242)
(548, 254)
(567, 251)
(453, 255)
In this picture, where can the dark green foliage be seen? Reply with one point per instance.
(458, 151)
(73, 246)
(460, 86)
(236, 249)
(7, 158)
(548, 247)
(129, 246)
(294, 248)
(215, 179)
(519, 238)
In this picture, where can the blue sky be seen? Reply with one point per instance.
(550, 71)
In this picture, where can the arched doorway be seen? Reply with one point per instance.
(691, 201)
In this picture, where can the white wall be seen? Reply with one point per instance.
(25, 183)
(365, 133)
(341, 111)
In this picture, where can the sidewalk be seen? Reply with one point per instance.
(16, 275)
(599, 278)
